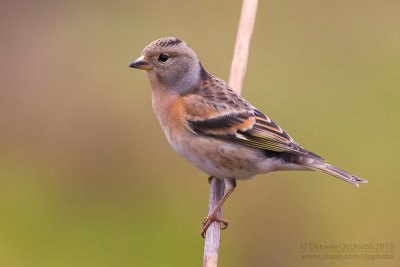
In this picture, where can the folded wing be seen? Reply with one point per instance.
(238, 121)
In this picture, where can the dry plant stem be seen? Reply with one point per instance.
(238, 71)
(211, 246)
(242, 45)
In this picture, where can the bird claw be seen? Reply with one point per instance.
(210, 179)
(209, 220)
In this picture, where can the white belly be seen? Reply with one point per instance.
(220, 158)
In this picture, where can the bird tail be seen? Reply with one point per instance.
(336, 172)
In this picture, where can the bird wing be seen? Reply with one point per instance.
(232, 118)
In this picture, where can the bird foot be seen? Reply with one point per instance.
(209, 220)
(210, 179)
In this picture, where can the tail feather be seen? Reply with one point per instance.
(338, 173)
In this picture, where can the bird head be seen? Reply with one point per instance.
(170, 62)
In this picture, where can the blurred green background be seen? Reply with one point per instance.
(87, 177)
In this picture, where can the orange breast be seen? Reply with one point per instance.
(169, 110)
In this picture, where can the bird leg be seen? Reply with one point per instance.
(230, 184)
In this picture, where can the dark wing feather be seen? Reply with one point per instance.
(226, 115)
(268, 135)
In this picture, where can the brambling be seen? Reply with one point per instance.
(216, 129)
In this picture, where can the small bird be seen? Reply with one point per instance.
(214, 128)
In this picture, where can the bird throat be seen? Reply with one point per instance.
(179, 83)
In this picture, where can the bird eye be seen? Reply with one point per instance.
(163, 58)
